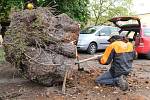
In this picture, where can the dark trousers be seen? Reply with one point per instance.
(106, 79)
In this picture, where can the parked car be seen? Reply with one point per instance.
(95, 38)
(136, 33)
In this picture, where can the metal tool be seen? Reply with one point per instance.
(77, 57)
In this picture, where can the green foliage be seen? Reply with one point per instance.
(7, 5)
(102, 10)
(76, 9)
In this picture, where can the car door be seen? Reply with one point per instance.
(103, 36)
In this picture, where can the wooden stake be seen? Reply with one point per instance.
(64, 82)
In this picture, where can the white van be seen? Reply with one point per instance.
(95, 38)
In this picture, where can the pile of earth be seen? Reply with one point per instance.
(41, 44)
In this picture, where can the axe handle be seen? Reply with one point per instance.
(88, 59)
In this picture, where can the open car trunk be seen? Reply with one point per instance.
(127, 23)
(129, 26)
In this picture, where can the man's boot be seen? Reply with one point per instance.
(122, 83)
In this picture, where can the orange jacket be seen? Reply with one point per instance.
(121, 55)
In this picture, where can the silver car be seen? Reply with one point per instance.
(95, 38)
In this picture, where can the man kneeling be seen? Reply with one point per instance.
(120, 54)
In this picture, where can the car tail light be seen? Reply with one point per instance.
(141, 42)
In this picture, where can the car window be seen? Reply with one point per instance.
(131, 35)
(123, 33)
(105, 30)
(89, 30)
(114, 31)
(146, 32)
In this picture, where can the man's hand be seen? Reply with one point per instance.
(97, 57)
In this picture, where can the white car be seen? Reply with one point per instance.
(95, 38)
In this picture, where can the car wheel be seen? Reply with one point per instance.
(148, 56)
(92, 48)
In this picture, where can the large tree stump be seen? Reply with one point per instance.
(40, 44)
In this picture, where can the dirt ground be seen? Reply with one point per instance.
(81, 85)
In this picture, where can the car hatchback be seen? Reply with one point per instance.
(95, 38)
(136, 33)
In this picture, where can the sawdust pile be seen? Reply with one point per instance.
(40, 44)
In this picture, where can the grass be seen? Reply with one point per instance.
(2, 55)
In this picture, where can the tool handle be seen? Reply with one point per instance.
(77, 57)
(91, 58)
